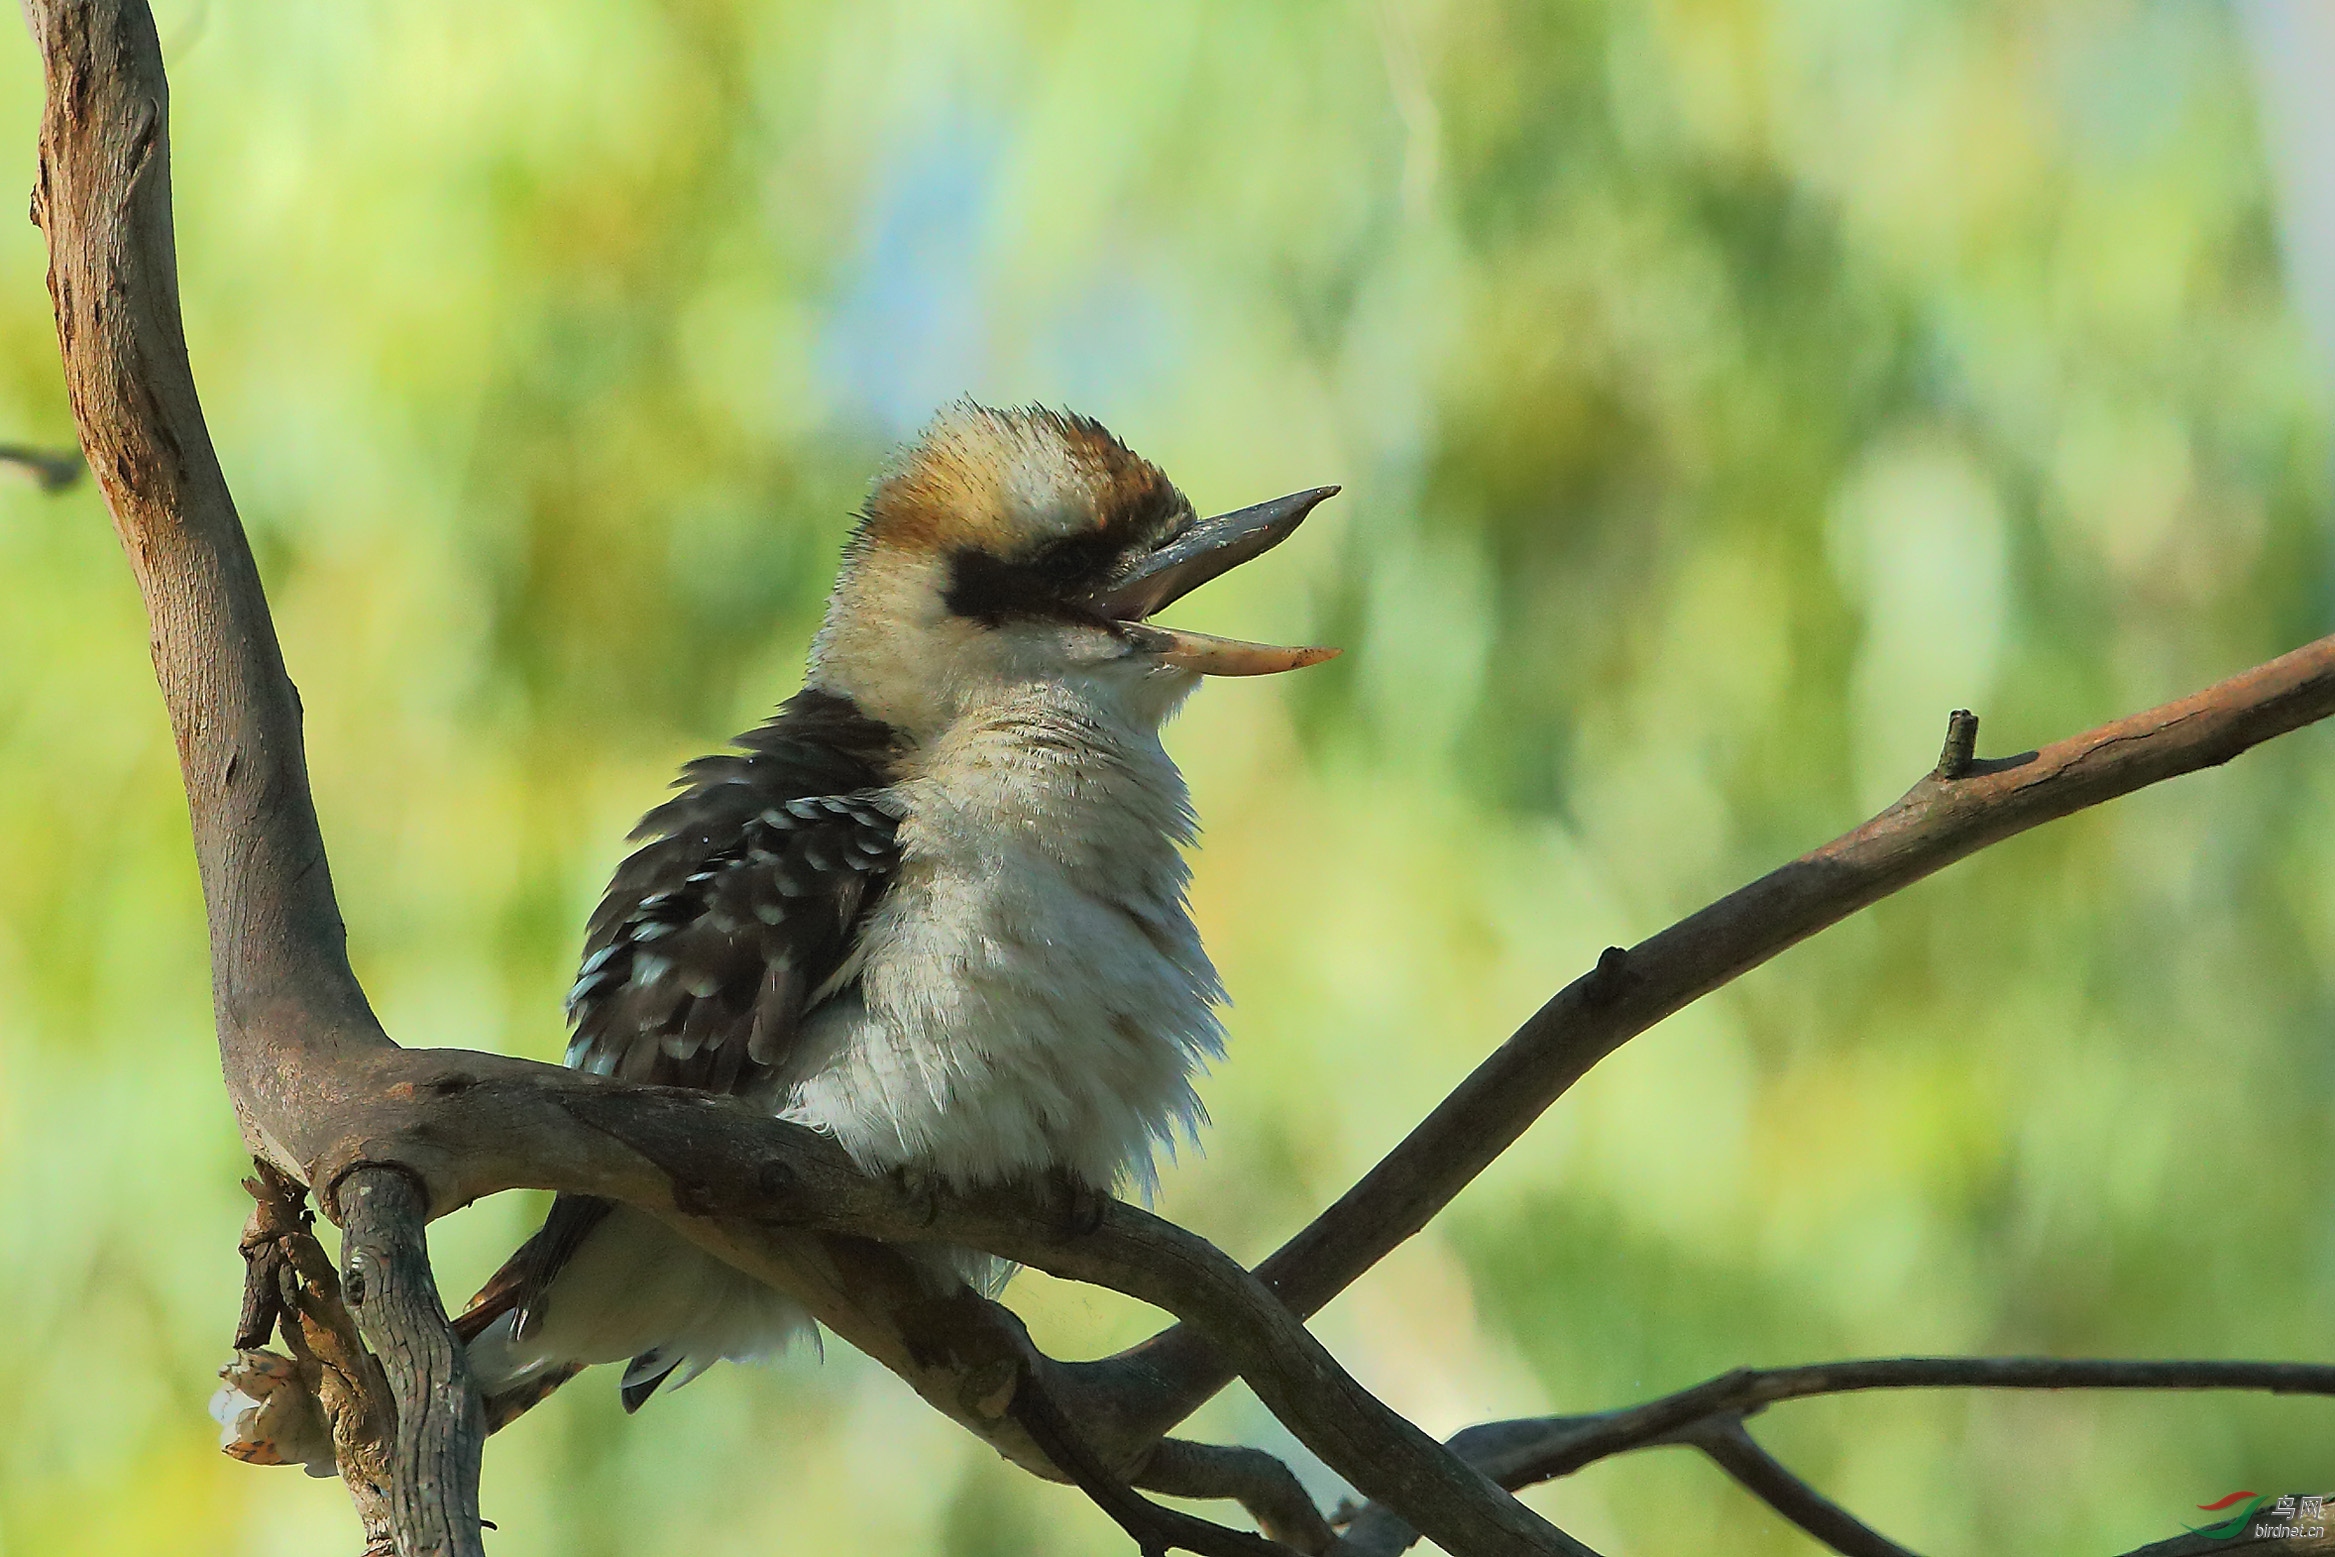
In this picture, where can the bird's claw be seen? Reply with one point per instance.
(1073, 1205)
(922, 1191)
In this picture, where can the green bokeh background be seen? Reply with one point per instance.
(1722, 389)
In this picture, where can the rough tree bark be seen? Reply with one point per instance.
(387, 1137)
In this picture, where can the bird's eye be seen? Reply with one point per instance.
(1077, 561)
(1047, 583)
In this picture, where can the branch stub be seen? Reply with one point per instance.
(1961, 749)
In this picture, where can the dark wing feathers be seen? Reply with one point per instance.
(745, 899)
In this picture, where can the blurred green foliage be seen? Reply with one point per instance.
(1723, 390)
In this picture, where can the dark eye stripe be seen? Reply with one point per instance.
(1053, 583)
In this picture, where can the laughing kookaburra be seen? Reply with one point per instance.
(935, 906)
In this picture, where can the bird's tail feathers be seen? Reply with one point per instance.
(629, 1290)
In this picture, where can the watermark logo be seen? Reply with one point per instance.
(2292, 1517)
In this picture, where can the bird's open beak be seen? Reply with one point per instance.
(1211, 547)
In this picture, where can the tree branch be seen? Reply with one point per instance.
(441, 1432)
(1261, 1484)
(1155, 1530)
(1730, 1446)
(923, 1338)
(1942, 819)
(285, 999)
(314, 1078)
(1709, 1416)
(1572, 1442)
(973, 1359)
(474, 1124)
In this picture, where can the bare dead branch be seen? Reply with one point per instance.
(441, 1432)
(1572, 1442)
(283, 993)
(1256, 1480)
(301, 1048)
(1731, 1447)
(1156, 1530)
(1130, 1250)
(1940, 820)
(1709, 1416)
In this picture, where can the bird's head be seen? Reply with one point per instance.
(1002, 548)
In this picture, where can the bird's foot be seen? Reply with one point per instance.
(922, 1191)
(1074, 1206)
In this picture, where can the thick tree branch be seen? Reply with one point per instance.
(285, 999)
(474, 1124)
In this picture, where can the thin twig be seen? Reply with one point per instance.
(1731, 1447)
(1155, 1529)
(1259, 1482)
(1961, 748)
(1572, 1442)
(54, 469)
(263, 1271)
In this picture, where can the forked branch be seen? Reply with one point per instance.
(1710, 1416)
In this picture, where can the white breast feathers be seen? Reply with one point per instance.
(1032, 993)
